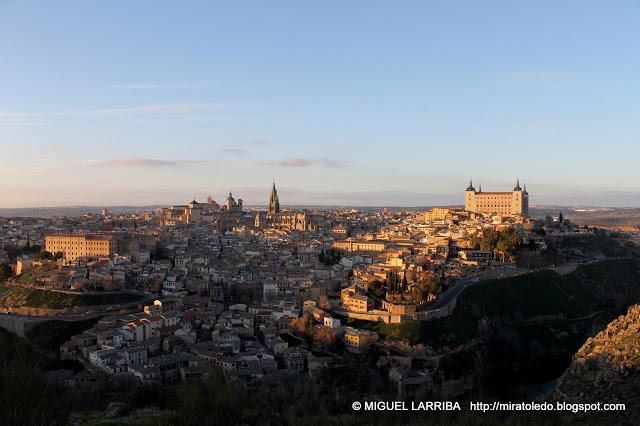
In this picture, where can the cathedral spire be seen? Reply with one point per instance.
(274, 202)
(517, 187)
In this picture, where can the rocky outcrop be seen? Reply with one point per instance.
(607, 368)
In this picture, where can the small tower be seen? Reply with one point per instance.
(519, 202)
(274, 203)
(230, 203)
(517, 187)
(470, 187)
(470, 197)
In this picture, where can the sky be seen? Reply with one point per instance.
(342, 103)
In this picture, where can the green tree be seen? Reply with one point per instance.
(26, 396)
(409, 331)
(329, 257)
(504, 241)
(45, 255)
(213, 402)
(5, 272)
(377, 288)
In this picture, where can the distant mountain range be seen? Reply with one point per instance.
(71, 211)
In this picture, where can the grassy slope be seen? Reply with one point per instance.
(148, 417)
(608, 286)
(37, 298)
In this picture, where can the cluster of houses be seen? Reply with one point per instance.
(411, 249)
(182, 339)
(232, 295)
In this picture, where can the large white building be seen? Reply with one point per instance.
(515, 202)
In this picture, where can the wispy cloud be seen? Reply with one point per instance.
(148, 109)
(159, 86)
(11, 118)
(182, 119)
(295, 162)
(331, 162)
(185, 112)
(306, 162)
(260, 142)
(233, 151)
(12, 115)
(138, 162)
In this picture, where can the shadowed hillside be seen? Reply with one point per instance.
(525, 329)
(539, 297)
(16, 296)
(607, 369)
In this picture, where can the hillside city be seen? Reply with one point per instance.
(269, 295)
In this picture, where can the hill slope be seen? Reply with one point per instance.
(539, 297)
(18, 296)
(607, 368)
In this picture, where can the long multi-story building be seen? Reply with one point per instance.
(353, 245)
(437, 213)
(74, 246)
(513, 203)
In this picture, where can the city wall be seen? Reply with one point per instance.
(18, 325)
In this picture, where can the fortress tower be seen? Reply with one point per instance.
(514, 203)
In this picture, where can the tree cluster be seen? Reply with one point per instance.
(329, 257)
(426, 286)
(5, 272)
(395, 284)
(506, 241)
(45, 255)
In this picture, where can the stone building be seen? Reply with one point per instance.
(511, 203)
(74, 246)
(231, 205)
(191, 213)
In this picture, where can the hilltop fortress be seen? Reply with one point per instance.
(515, 202)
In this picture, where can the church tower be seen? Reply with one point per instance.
(274, 203)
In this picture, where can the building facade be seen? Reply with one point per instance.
(437, 213)
(75, 246)
(513, 203)
(191, 213)
(353, 301)
(353, 245)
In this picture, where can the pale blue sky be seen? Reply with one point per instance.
(359, 102)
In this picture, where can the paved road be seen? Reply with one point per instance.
(458, 287)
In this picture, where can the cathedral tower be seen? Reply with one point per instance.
(274, 203)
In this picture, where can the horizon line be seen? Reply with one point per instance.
(160, 205)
